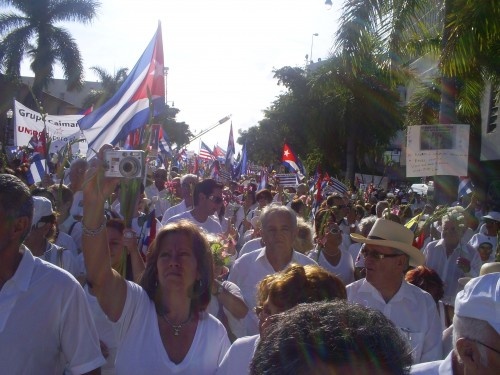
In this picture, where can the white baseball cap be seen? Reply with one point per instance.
(41, 207)
(480, 299)
(492, 215)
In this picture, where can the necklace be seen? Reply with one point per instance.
(176, 327)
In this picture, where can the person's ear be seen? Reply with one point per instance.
(19, 227)
(469, 353)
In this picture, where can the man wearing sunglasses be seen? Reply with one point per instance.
(207, 199)
(388, 252)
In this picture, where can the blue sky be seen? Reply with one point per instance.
(220, 53)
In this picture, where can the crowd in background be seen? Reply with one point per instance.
(194, 275)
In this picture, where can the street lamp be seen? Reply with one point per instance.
(8, 130)
(312, 41)
(328, 4)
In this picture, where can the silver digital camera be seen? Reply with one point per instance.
(124, 163)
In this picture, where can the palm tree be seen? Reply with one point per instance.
(32, 32)
(109, 86)
(466, 47)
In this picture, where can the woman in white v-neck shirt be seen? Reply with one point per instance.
(161, 324)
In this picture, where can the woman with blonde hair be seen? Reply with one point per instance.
(161, 324)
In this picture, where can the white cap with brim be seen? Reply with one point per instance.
(492, 215)
(391, 234)
(41, 207)
(480, 299)
(486, 268)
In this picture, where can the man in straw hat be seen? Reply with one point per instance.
(476, 331)
(388, 252)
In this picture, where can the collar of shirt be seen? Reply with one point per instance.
(22, 277)
(401, 294)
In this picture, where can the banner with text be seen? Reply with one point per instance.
(61, 129)
(434, 150)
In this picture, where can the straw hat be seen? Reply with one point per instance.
(391, 234)
(486, 268)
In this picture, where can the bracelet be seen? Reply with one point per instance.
(93, 232)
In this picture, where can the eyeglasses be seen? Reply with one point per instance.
(215, 199)
(42, 222)
(376, 255)
(487, 346)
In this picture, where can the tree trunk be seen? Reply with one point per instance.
(445, 189)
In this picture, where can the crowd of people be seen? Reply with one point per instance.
(205, 277)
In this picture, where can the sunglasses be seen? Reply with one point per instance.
(216, 200)
(43, 222)
(376, 255)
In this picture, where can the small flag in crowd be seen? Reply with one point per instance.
(219, 153)
(464, 187)
(287, 179)
(37, 170)
(241, 168)
(338, 186)
(129, 109)
(291, 161)
(205, 152)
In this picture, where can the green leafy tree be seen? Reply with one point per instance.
(109, 86)
(29, 29)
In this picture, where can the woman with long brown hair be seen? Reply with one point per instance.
(161, 324)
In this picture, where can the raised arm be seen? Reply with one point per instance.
(106, 284)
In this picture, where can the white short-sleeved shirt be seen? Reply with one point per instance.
(237, 325)
(174, 210)
(249, 270)
(140, 347)
(442, 367)
(344, 270)
(210, 225)
(106, 331)
(446, 267)
(239, 356)
(45, 322)
(412, 310)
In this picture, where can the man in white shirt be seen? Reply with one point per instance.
(157, 192)
(451, 258)
(187, 186)
(388, 252)
(45, 321)
(207, 199)
(476, 332)
(279, 228)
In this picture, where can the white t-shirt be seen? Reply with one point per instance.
(174, 210)
(141, 350)
(210, 225)
(411, 309)
(249, 270)
(237, 326)
(344, 270)
(239, 356)
(45, 322)
(252, 245)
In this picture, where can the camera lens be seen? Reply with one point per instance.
(129, 167)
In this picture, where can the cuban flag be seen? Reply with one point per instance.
(37, 169)
(464, 187)
(164, 144)
(241, 167)
(292, 162)
(128, 109)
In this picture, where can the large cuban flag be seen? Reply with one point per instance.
(292, 162)
(128, 109)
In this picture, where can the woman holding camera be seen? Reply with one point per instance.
(161, 323)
